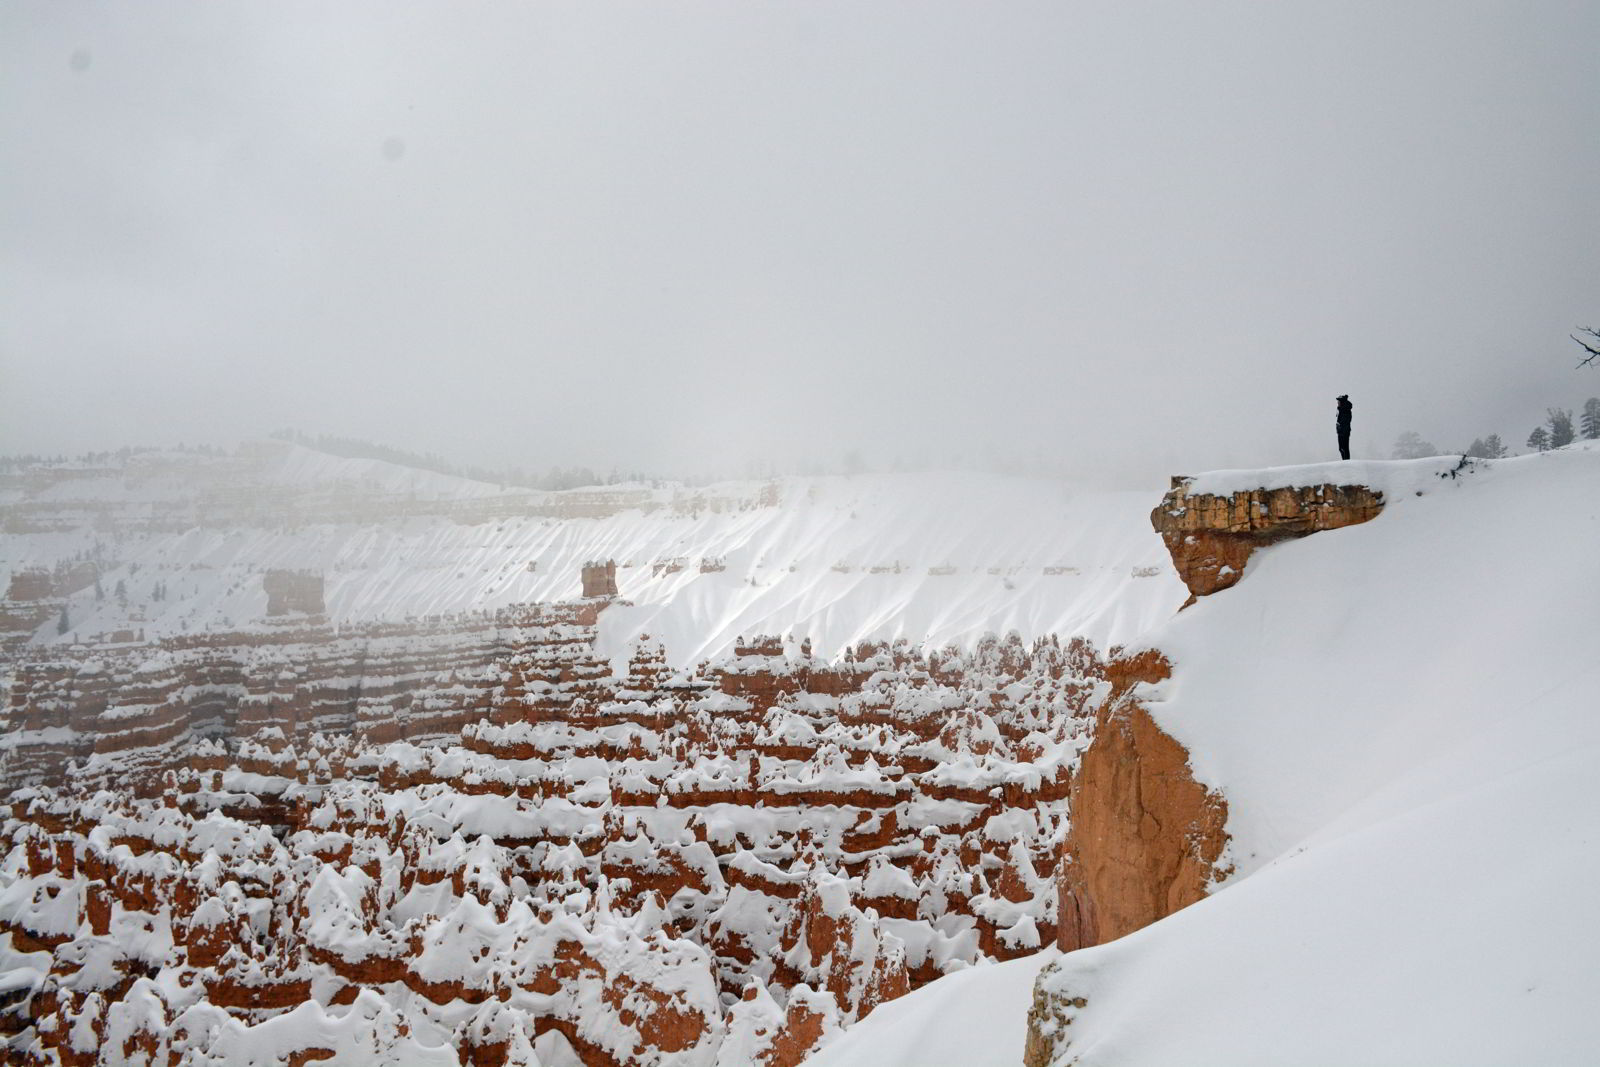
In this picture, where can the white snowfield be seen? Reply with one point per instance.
(936, 558)
(1404, 718)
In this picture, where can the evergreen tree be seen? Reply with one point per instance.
(1410, 445)
(121, 592)
(99, 592)
(1560, 423)
(1492, 448)
(62, 624)
(1539, 439)
(1591, 418)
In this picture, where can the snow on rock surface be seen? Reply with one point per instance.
(1392, 478)
(366, 829)
(396, 833)
(1401, 717)
(975, 1018)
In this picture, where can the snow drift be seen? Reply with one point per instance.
(1401, 716)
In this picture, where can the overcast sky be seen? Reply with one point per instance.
(1155, 237)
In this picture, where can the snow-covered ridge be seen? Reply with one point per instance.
(1400, 716)
(930, 557)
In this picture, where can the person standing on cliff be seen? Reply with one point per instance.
(1343, 426)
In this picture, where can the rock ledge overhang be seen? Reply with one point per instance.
(1212, 536)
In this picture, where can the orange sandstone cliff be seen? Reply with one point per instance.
(1145, 838)
(1212, 537)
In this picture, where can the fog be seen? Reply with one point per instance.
(1128, 238)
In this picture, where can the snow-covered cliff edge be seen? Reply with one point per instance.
(1400, 716)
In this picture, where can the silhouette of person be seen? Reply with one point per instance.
(1343, 426)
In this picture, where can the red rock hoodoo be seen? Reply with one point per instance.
(612, 857)
(600, 579)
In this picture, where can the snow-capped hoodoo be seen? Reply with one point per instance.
(410, 770)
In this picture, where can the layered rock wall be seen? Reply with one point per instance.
(1211, 537)
(131, 710)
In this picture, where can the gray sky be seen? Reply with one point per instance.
(677, 236)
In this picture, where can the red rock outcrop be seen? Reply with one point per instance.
(1212, 537)
(293, 592)
(1145, 837)
(600, 579)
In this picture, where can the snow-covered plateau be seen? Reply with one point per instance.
(1402, 717)
(318, 759)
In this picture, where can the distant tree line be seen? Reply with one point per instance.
(24, 460)
(1558, 429)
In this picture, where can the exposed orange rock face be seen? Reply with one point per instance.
(600, 579)
(808, 1022)
(1211, 537)
(1145, 837)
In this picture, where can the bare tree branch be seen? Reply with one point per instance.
(1594, 353)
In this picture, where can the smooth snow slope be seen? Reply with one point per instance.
(930, 557)
(973, 1018)
(1404, 718)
